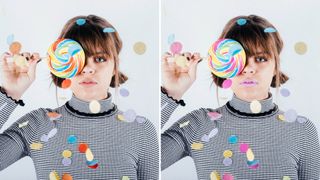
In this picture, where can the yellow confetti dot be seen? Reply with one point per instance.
(94, 106)
(66, 153)
(181, 61)
(36, 146)
(250, 155)
(23, 124)
(20, 60)
(54, 176)
(286, 178)
(255, 106)
(120, 117)
(196, 146)
(125, 178)
(227, 153)
(214, 175)
(89, 155)
(184, 124)
(281, 117)
(300, 48)
(139, 48)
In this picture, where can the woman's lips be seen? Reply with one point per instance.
(249, 83)
(88, 83)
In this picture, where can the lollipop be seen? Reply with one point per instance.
(227, 58)
(66, 58)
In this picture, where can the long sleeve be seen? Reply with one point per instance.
(309, 166)
(168, 105)
(149, 160)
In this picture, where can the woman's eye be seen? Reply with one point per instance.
(99, 59)
(261, 59)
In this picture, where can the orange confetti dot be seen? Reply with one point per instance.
(66, 177)
(83, 147)
(66, 83)
(15, 48)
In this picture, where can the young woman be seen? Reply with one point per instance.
(71, 141)
(234, 142)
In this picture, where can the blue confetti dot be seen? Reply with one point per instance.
(252, 163)
(124, 92)
(72, 139)
(171, 38)
(241, 21)
(285, 92)
(109, 30)
(81, 21)
(270, 30)
(233, 139)
(92, 163)
(10, 39)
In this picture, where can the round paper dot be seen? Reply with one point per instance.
(140, 119)
(214, 115)
(284, 92)
(300, 48)
(53, 115)
(213, 132)
(120, 117)
(227, 153)
(255, 106)
(196, 146)
(66, 161)
(254, 166)
(54, 176)
(176, 47)
(10, 39)
(241, 21)
(139, 48)
(205, 138)
(36, 146)
(94, 106)
(20, 60)
(252, 163)
(66, 83)
(244, 147)
(269, 30)
(83, 147)
(181, 61)
(250, 155)
(81, 21)
(66, 154)
(290, 115)
(130, 115)
(227, 161)
(94, 166)
(109, 30)
(124, 92)
(66, 177)
(125, 178)
(233, 139)
(301, 119)
(214, 175)
(227, 83)
(171, 38)
(15, 47)
(227, 176)
(281, 117)
(72, 139)
(92, 163)
(286, 178)
(52, 133)
(89, 155)
(44, 138)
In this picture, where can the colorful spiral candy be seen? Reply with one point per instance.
(227, 58)
(66, 58)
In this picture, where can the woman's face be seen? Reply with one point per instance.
(254, 81)
(94, 80)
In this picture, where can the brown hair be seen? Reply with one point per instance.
(252, 37)
(91, 37)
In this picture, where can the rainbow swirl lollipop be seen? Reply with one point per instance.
(227, 58)
(66, 58)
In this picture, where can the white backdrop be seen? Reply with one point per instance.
(197, 24)
(36, 24)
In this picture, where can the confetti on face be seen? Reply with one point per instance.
(241, 21)
(205, 138)
(181, 61)
(255, 106)
(227, 153)
(290, 115)
(227, 84)
(54, 176)
(196, 146)
(89, 155)
(244, 147)
(66, 161)
(66, 177)
(270, 30)
(176, 47)
(214, 115)
(125, 178)
(171, 38)
(15, 47)
(124, 92)
(214, 175)
(52, 133)
(36, 146)
(94, 106)
(227, 161)
(281, 117)
(233, 139)
(44, 138)
(81, 21)
(227, 176)
(66, 154)
(72, 139)
(83, 147)
(300, 48)
(301, 119)
(139, 48)
(120, 117)
(140, 119)
(66, 83)
(213, 132)
(109, 30)
(250, 155)
(23, 124)
(10, 39)
(130, 115)
(20, 61)
(284, 92)
(286, 178)
(184, 124)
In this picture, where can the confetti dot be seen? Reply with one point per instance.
(227, 176)
(233, 139)
(53, 115)
(227, 161)
(286, 178)
(227, 153)
(109, 30)
(140, 119)
(214, 115)
(252, 163)
(124, 92)
(66, 83)
(139, 48)
(94, 166)
(36, 146)
(196, 146)
(244, 147)
(23, 124)
(270, 30)
(290, 115)
(214, 175)
(176, 47)
(254, 166)
(94, 106)
(72, 139)
(54, 176)
(213, 132)
(66, 177)
(250, 155)
(181, 61)
(44, 138)
(301, 119)
(120, 117)
(181, 125)
(281, 117)
(20, 60)
(255, 106)
(92, 163)
(241, 21)
(171, 38)
(52, 132)
(15, 47)
(81, 21)
(66, 161)
(300, 48)
(130, 115)
(205, 138)
(284, 92)
(89, 155)
(66, 154)
(227, 84)
(125, 178)
(83, 147)
(10, 39)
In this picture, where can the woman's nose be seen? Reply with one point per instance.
(88, 69)
(250, 67)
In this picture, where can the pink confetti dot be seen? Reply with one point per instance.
(176, 47)
(227, 83)
(227, 176)
(214, 115)
(244, 147)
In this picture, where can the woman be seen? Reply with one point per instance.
(234, 142)
(72, 142)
